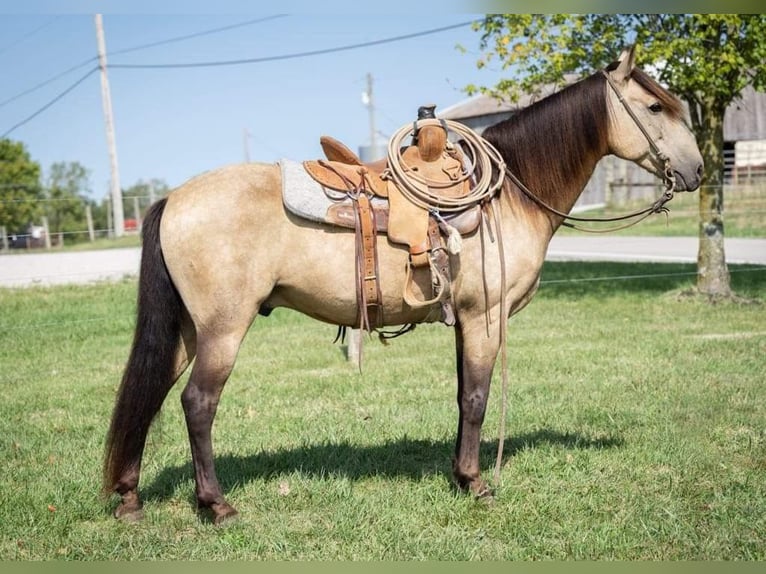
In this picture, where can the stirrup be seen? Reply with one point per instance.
(440, 296)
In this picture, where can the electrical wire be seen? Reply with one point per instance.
(295, 54)
(50, 103)
(210, 64)
(28, 35)
(195, 35)
(134, 49)
(48, 81)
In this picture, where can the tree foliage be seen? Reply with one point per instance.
(705, 59)
(19, 186)
(66, 189)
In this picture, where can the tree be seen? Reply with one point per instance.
(19, 186)
(66, 191)
(142, 194)
(705, 59)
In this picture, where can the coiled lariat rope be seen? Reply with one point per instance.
(481, 154)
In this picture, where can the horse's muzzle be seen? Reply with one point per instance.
(688, 180)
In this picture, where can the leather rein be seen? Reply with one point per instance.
(658, 206)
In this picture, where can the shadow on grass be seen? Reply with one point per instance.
(409, 458)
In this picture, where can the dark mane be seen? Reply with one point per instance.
(565, 133)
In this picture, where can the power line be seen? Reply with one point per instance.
(209, 64)
(294, 55)
(48, 81)
(28, 35)
(134, 49)
(195, 35)
(50, 103)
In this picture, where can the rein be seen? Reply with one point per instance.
(658, 206)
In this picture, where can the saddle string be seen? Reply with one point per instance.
(503, 328)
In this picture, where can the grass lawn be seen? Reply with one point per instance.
(637, 430)
(743, 216)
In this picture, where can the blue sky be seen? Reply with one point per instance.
(175, 123)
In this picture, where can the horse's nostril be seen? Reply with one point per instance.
(700, 168)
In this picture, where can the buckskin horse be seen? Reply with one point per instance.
(197, 297)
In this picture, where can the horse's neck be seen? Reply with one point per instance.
(575, 188)
(553, 146)
(564, 193)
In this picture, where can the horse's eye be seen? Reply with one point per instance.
(655, 108)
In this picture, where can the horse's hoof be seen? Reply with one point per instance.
(224, 514)
(483, 492)
(129, 515)
(227, 520)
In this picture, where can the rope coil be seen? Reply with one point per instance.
(417, 188)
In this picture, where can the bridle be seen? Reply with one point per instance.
(668, 176)
(658, 206)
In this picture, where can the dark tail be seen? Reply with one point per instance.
(149, 373)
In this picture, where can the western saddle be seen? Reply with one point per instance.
(420, 182)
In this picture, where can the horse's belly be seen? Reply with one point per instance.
(327, 291)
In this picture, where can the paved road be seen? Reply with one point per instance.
(52, 268)
(658, 249)
(19, 270)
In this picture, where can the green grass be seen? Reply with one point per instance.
(637, 430)
(744, 214)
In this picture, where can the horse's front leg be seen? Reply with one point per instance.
(476, 354)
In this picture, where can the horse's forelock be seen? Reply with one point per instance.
(669, 102)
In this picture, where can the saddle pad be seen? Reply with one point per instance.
(304, 197)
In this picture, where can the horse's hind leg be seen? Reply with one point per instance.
(476, 356)
(130, 507)
(215, 359)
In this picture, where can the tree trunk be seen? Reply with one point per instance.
(712, 273)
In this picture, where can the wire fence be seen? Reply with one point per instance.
(742, 200)
(10, 331)
(110, 318)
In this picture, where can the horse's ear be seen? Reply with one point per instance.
(627, 61)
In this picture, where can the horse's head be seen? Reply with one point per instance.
(648, 126)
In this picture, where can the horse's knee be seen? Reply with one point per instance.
(473, 406)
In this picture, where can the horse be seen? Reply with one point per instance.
(199, 291)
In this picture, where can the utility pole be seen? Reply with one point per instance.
(106, 98)
(246, 143)
(371, 111)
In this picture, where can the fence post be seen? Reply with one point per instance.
(137, 213)
(46, 232)
(352, 350)
(89, 218)
(5, 237)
